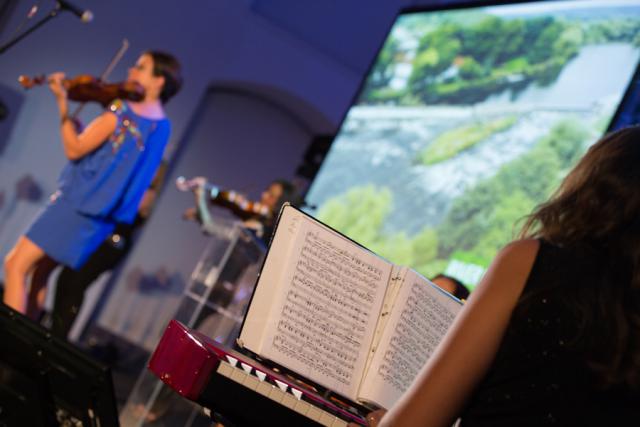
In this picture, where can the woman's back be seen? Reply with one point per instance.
(540, 375)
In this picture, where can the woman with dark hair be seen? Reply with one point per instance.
(166, 66)
(551, 335)
(112, 163)
(277, 194)
(262, 223)
(451, 285)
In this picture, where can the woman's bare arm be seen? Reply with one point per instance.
(464, 356)
(96, 133)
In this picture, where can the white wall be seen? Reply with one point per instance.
(308, 57)
(216, 40)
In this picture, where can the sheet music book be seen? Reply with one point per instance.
(334, 312)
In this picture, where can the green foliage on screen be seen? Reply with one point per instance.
(481, 221)
(486, 216)
(464, 60)
(450, 143)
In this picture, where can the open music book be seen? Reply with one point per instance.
(334, 312)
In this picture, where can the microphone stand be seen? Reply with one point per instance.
(50, 15)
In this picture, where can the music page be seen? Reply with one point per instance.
(330, 295)
(420, 317)
(267, 290)
(393, 287)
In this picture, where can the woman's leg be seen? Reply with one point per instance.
(72, 284)
(17, 265)
(38, 287)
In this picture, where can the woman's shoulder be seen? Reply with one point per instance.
(121, 107)
(510, 269)
(521, 251)
(117, 107)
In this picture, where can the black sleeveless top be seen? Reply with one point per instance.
(538, 377)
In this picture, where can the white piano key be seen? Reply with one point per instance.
(276, 394)
(225, 369)
(289, 401)
(261, 375)
(238, 376)
(302, 407)
(326, 419)
(283, 386)
(247, 368)
(232, 360)
(296, 393)
(251, 382)
(314, 413)
(264, 388)
(339, 423)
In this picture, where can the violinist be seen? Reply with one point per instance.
(111, 165)
(71, 284)
(259, 217)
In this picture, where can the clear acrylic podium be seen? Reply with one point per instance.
(214, 302)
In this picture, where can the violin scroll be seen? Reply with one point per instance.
(29, 82)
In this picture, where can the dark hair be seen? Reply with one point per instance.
(289, 194)
(598, 206)
(167, 66)
(460, 291)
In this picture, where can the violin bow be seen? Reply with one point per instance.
(107, 71)
(116, 58)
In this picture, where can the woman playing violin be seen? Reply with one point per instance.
(257, 216)
(111, 164)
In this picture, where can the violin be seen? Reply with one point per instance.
(86, 88)
(230, 199)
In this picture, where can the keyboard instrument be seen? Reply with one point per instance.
(243, 390)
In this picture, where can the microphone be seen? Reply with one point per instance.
(32, 11)
(85, 16)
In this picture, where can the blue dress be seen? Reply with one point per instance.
(101, 189)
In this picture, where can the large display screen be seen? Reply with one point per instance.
(467, 120)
